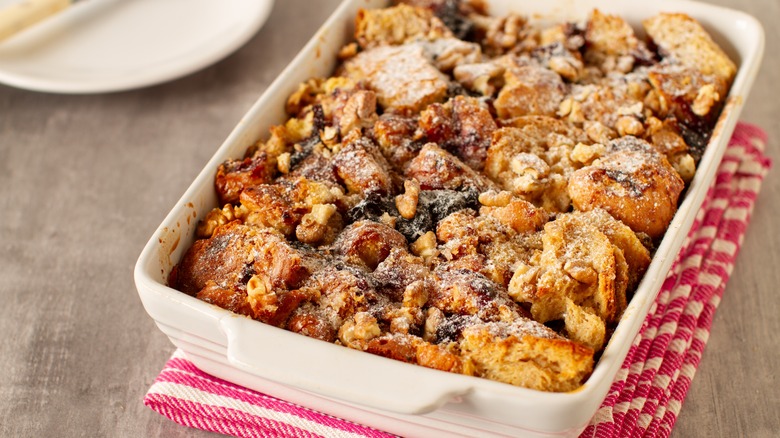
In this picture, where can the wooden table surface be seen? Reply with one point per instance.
(85, 180)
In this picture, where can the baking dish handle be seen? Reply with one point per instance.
(337, 372)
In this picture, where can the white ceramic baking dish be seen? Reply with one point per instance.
(390, 395)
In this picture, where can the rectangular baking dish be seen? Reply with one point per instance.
(397, 397)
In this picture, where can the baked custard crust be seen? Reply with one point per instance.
(467, 193)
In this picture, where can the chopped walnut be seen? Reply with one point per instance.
(623, 64)
(665, 137)
(261, 297)
(656, 103)
(565, 66)
(576, 115)
(314, 226)
(330, 138)
(388, 220)
(407, 203)
(599, 133)
(433, 320)
(523, 284)
(505, 34)
(416, 294)
(217, 217)
(425, 246)
(283, 163)
(565, 107)
(348, 51)
(356, 331)
(585, 154)
(448, 53)
(405, 319)
(685, 165)
(491, 198)
(304, 96)
(705, 100)
(628, 125)
(359, 112)
(484, 78)
(566, 34)
(634, 109)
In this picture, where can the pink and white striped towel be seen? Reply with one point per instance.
(647, 393)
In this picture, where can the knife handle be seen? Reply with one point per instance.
(26, 13)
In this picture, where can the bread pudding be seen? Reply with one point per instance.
(469, 193)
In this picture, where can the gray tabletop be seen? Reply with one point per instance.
(85, 180)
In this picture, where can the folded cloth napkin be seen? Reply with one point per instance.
(648, 391)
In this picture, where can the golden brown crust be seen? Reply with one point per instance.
(609, 35)
(579, 263)
(219, 259)
(684, 40)
(531, 157)
(234, 300)
(529, 90)
(463, 126)
(436, 168)
(445, 202)
(633, 182)
(397, 25)
(402, 77)
(362, 168)
(236, 175)
(368, 243)
(526, 353)
(394, 135)
(519, 215)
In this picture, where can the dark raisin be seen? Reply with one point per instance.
(442, 203)
(247, 272)
(696, 138)
(303, 150)
(449, 13)
(372, 208)
(456, 89)
(306, 147)
(318, 121)
(451, 328)
(421, 223)
(432, 206)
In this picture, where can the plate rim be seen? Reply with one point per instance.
(173, 67)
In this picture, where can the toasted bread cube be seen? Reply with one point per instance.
(526, 353)
(681, 37)
(397, 25)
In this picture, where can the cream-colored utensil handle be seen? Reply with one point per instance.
(24, 14)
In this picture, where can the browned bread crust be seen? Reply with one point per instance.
(483, 206)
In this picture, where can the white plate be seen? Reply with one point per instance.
(112, 45)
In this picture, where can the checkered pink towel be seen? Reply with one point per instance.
(648, 392)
